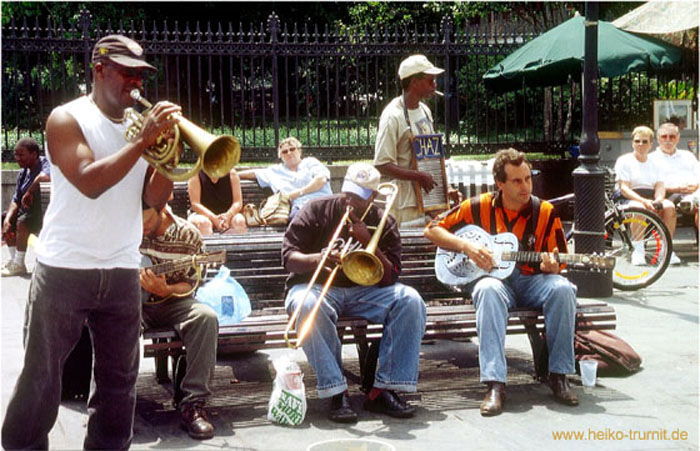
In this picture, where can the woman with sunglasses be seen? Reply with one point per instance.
(302, 179)
(640, 184)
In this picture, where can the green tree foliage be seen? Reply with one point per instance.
(67, 13)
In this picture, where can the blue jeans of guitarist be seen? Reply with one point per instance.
(554, 294)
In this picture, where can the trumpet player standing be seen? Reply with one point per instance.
(399, 308)
(88, 255)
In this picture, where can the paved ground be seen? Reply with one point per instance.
(660, 322)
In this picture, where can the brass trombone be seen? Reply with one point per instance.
(329, 281)
(216, 155)
(360, 266)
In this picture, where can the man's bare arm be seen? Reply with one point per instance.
(425, 179)
(71, 154)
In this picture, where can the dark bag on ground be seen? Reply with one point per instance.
(614, 355)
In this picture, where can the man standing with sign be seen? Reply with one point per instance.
(404, 119)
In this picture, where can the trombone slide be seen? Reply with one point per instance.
(329, 281)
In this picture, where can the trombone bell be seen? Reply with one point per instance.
(363, 267)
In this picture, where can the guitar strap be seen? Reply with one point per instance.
(529, 238)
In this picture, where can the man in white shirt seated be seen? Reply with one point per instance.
(680, 169)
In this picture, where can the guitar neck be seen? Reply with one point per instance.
(171, 266)
(536, 257)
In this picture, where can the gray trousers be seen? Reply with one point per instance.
(198, 326)
(60, 300)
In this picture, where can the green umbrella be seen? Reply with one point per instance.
(551, 58)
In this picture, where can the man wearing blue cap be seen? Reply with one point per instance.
(398, 307)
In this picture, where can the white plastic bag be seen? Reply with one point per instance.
(287, 404)
(226, 296)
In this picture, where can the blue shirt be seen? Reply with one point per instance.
(281, 178)
(26, 176)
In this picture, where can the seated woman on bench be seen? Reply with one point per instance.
(302, 179)
(215, 204)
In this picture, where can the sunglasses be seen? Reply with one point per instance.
(288, 150)
(128, 72)
(641, 141)
(667, 136)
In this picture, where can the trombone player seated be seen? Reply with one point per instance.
(311, 249)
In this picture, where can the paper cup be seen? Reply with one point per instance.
(589, 368)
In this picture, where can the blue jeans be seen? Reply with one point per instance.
(60, 300)
(398, 307)
(492, 299)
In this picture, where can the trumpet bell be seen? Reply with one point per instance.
(217, 154)
(363, 267)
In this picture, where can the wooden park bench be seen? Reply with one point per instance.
(255, 262)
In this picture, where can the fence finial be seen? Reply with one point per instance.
(85, 19)
(273, 26)
(446, 28)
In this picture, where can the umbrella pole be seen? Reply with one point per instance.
(589, 177)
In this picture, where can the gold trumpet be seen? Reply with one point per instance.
(216, 154)
(360, 266)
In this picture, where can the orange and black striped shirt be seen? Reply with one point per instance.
(487, 212)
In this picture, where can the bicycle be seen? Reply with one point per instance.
(637, 238)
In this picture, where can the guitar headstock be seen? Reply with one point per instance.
(597, 261)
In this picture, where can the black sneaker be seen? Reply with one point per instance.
(390, 404)
(340, 409)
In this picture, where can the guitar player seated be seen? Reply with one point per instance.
(514, 209)
(171, 303)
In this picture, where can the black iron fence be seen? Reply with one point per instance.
(327, 87)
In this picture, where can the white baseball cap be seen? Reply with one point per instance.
(417, 64)
(361, 179)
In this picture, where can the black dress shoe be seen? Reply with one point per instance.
(390, 404)
(492, 404)
(341, 411)
(194, 420)
(562, 392)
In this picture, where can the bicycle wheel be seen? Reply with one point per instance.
(641, 245)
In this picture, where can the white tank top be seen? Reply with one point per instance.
(84, 233)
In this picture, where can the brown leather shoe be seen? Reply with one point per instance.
(194, 420)
(492, 404)
(562, 392)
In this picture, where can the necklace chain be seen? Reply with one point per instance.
(117, 120)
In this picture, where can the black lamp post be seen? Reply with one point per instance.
(589, 178)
